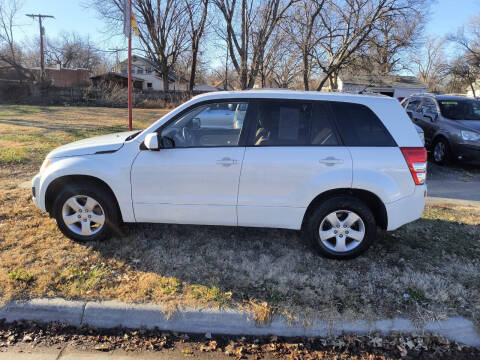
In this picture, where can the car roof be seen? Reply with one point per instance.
(290, 94)
(441, 97)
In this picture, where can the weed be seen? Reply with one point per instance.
(22, 276)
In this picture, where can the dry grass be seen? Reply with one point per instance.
(427, 269)
(28, 133)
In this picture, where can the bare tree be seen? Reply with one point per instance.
(163, 32)
(303, 30)
(348, 26)
(197, 16)
(469, 40)
(10, 51)
(430, 64)
(463, 72)
(465, 68)
(247, 40)
(74, 51)
(395, 34)
(162, 26)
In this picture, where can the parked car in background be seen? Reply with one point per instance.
(451, 125)
(335, 166)
(420, 133)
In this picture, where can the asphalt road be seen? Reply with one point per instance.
(459, 181)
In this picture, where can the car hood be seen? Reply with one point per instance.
(103, 143)
(470, 124)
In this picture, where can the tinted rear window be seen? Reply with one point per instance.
(359, 126)
(294, 123)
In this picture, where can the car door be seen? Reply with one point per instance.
(412, 108)
(195, 180)
(428, 119)
(293, 154)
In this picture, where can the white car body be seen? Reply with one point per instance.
(244, 185)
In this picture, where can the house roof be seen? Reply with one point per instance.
(172, 75)
(383, 81)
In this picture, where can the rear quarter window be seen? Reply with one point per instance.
(359, 126)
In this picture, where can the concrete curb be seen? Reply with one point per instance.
(108, 314)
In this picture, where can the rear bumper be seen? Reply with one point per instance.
(407, 209)
(466, 152)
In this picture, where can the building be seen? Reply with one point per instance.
(146, 71)
(61, 77)
(395, 86)
(58, 76)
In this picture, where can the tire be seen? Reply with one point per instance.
(441, 153)
(91, 209)
(331, 246)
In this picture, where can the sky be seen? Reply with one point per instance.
(447, 16)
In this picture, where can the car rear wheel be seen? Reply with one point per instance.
(86, 212)
(441, 152)
(341, 228)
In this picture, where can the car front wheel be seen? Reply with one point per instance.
(441, 152)
(86, 212)
(341, 228)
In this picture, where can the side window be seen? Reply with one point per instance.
(429, 106)
(282, 123)
(359, 126)
(413, 104)
(322, 130)
(207, 125)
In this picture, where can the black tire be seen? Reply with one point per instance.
(438, 158)
(338, 203)
(102, 196)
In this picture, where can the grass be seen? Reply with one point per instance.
(28, 133)
(425, 270)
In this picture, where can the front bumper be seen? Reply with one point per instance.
(466, 152)
(36, 192)
(407, 209)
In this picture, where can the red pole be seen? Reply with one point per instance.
(130, 83)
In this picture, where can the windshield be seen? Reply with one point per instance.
(460, 109)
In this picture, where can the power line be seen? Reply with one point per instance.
(42, 34)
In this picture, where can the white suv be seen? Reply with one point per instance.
(333, 165)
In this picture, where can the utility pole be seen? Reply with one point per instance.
(42, 33)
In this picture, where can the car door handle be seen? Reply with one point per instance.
(330, 161)
(226, 161)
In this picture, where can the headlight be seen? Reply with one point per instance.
(470, 135)
(45, 164)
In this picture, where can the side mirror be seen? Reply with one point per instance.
(151, 142)
(196, 123)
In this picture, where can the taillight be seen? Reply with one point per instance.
(416, 158)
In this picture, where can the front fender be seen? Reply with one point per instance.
(99, 166)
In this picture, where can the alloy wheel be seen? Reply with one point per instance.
(342, 231)
(439, 151)
(83, 215)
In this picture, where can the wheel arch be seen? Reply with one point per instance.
(374, 203)
(55, 186)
